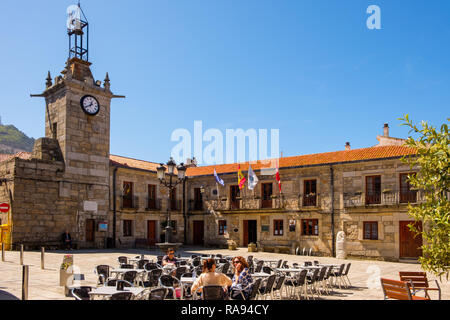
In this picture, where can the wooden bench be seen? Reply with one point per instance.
(418, 281)
(398, 290)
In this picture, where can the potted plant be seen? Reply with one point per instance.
(231, 244)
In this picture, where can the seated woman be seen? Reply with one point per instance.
(209, 277)
(242, 280)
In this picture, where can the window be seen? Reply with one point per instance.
(266, 190)
(406, 194)
(310, 227)
(127, 195)
(173, 199)
(277, 227)
(198, 199)
(151, 196)
(222, 227)
(371, 230)
(373, 190)
(234, 195)
(310, 193)
(127, 228)
(55, 131)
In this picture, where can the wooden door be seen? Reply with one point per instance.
(250, 230)
(409, 243)
(151, 232)
(245, 236)
(90, 230)
(199, 233)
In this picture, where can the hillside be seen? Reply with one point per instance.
(12, 140)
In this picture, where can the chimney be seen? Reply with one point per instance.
(347, 146)
(386, 130)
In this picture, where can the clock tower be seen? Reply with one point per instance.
(77, 118)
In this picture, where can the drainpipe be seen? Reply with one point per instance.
(333, 240)
(114, 207)
(184, 211)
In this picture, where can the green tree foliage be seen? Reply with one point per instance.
(12, 137)
(433, 179)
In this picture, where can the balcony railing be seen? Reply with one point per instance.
(195, 205)
(384, 198)
(153, 204)
(129, 202)
(175, 205)
(310, 200)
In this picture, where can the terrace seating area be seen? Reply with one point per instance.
(145, 278)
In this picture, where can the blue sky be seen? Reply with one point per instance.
(311, 69)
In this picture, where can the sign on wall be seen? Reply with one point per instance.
(90, 206)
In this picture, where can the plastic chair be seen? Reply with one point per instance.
(122, 260)
(277, 289)
(153, 278)
(142, 263)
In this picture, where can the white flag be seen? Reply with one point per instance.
(252, 178)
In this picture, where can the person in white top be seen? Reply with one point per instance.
(210, 278)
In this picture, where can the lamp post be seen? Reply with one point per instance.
(170, 180)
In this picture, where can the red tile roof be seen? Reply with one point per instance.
(312, 159)
(132, 163)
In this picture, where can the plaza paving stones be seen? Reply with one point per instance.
(44, 284)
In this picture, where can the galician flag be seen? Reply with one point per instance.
(241, 178)
(252, 179)
(218, 180)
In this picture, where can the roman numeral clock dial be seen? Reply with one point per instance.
(90, 105)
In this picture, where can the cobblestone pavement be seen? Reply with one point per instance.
(44, 284)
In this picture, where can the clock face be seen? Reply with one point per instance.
(90, 105)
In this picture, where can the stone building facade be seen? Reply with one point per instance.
(71, 182)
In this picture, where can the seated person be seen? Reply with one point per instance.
(170, 258)
(67, 240)
(242, 280)
(209, 277)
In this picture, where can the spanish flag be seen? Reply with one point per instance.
(241, 178)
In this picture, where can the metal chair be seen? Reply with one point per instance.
(130, 276)
(298, 283)
(277, 289)
(103, 272)
(122, 260)
(158, 294)
(179, 271)
(81, 293)
(279, 263)
(337, 275)
(307, 264)
(311, 280)
(169, 282)
(213, 293)
(266, 289)
(151, 266)
(142, 263)
(153, 278)
(267, 270)
(345, 276)
(259, 266)
(122, 296)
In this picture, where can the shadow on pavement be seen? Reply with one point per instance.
(7, 296)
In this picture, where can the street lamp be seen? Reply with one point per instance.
(170, 180)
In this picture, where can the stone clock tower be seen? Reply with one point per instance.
(77, 119)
